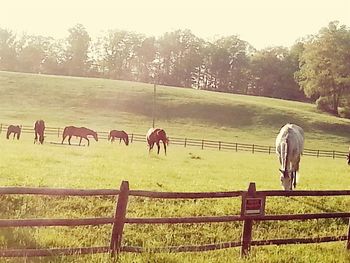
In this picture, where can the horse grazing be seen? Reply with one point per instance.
(81, 132)
(16, 130)
(289, 147)
(154, 136)
(122, 135)
(39, 128)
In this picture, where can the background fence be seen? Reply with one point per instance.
(120, 219)
(201, 143)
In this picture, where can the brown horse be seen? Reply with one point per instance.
(16, 130)
(39, 128)
(122, 135)
(81, 132)
(154, 136)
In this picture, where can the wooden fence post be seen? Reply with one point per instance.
(348, 240)
(333, 155)
(248, 225)
(236, 147)
(119, 218)
(269, 149)
(132, 137)
(253, 149)
(219, 145)
(202, 144)
(185, 142)
(318, 153)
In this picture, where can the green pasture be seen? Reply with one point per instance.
(106, 104)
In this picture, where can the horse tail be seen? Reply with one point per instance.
(8, 133)
(64, 134)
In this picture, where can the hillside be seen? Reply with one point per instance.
(108, 104)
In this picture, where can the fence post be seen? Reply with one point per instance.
(132, 137)
(318, 153)
(269, 149)
(185, 142)
(248, 225)
(119, 218)
(202, 144)
(253, 149)
(348, 240)
(333, 154)
(219, 145)
(236, 147)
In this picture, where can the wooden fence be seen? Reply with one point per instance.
(202, 143)
(249, 198)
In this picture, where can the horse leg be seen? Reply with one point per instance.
(88, 141)
(158, 146)
(70, 137)
(80, 140)
(164, 147)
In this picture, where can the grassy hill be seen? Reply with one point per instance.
(108, 104)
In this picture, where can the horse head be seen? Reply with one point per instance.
(126, 139)
(95, 136)
(288, 179)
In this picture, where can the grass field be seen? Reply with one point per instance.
(105, 104)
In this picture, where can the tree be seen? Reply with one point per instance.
(78, 43)
(229, 64)
(181, 54)
(273, 73)
(325, 65)
(33, 52)
(120, 49)
(8, 54)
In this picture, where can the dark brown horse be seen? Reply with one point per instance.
(122, 135)
(81, 132)
(154, 136)
(16, 130)
(39, 128)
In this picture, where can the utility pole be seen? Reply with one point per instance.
(154, 101)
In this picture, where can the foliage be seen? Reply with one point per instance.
(318, 66)
(325, 65)
(324, 104)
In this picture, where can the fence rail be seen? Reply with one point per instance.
(120, 219)
(202, 143)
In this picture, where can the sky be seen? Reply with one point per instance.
(262, 23)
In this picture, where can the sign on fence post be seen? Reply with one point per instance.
(252, 205)
(119, 218)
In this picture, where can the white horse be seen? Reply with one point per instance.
(289, 147)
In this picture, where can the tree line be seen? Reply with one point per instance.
(316, 68)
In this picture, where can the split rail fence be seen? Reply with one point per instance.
(202, 143)
(120, 219)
